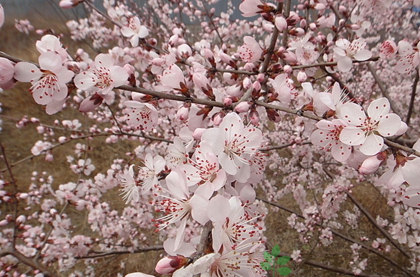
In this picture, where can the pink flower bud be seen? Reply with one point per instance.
(260, 77)
(20, 219)
(197, 133)
(208, 54)
(354, 27)
(217, 119)
(319, 7)
(302, 23)
(91, 103)
(1, 16)
(68, 4)
(312, 26)
(227, 101)
(169, 264)
(247, 83)
(49, 157)
(342, 9)
(287, 69)
(254, 117)
(301, 76)
(182, 113)
(3, 223)
(280, 23)
(23, 195)
(256, 86)
(243, 107)
(289, 57)
(293, 18)
(370, 165)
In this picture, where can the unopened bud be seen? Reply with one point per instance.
(169, 264)
(280, 23)
(301, 76)
(243, 107)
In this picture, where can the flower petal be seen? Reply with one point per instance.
(372, 145)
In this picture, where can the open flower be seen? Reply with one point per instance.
(368, 131)
(346, 51)
(102, 76)
(134, 30)
(251, 51)
(48, 81)
(328, 136)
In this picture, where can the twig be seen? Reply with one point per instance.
(286, 15)
(104, 254)
(370, 249)
(382, 87)
(277, 147)
(413, 97)
(270, 49)
(373, 221)
(28, 261)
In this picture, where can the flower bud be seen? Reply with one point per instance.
(243, 107)
(1, 16)
(169, 264)
(301, 76)
(280, 23)
(287, 69)
(370, 165)
(91, 103)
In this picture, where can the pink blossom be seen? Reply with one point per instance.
(102, 76)
(328, 136)
(251, 8)
(362, 129)
(346, 51)
(68, 4)
(388, 49)
(49, 81)
(408, 58)
(130, 190)
(7, 71)
(250, 51)
(134, 30)
(169, 264)
(143, 116)
(234, 144)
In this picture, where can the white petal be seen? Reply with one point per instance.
(340, 151)
(378, 108)
(344, 64)
(219, 209)
(412, 197)
(27, 72)
(389, 125)
(352, 113)
(363, 55)
(411, 172)
(372, 145)
(351, 135)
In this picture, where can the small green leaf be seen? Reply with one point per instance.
(268, 257)
(265, 266)
(275, 251)
(283, 260)
(284, 271)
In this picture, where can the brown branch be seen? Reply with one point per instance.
(270, 49)
(277, 147)
(84, 137)
(382, 87)
(412, 98)
(373, 221)
(370, 249)
(28, 261)
(105, 254)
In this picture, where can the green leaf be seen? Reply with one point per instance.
(265, 266)
(283, 260)
(268, 257)
(284, 271)
(275, 251)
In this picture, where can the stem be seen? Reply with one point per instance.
(413, 97)
(104, 254)
(270, 49)
(382, 87)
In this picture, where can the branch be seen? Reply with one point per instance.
(104, 254)
(370, 249)
(373, 221)
(29, 262)
(413, 97)
(270, 49)
(277, 147)
(382, 87)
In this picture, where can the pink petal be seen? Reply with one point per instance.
(218, 209)
(50, 61)
(340, 151)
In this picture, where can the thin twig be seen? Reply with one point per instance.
(270, 49)
(105, 254)
(382, 87)
(373, 221)
(413, 97)
(370, 249)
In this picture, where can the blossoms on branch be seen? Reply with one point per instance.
(345, 51)
(134, 31)
(102, 76)
(49, 82)
(368, 130)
